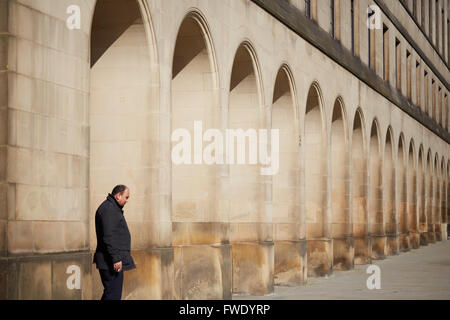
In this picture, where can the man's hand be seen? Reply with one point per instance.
(118, 266)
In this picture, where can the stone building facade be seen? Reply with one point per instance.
(362, 114)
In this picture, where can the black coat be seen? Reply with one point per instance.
(113, 236)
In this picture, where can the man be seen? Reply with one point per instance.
(112, 255)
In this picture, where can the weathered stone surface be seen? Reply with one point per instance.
(3, 201)
(76, 236)
(253, 268)
(45, 276)
(431, 234)
(414, 240)
(20, 236)
(200, 272)
(12, 283)
(3, 158)
(152, 279)
(320, 257)
(363, 250)
(192, 233)
(35, 280)
(392, 245)
(48, 236)
(62, 287)
(3, 238)
(424, 238)
(437, 232)
(3, 279)
(404, 242)
(290, 262)
(378, 247)
(343, 253)
(444, 231)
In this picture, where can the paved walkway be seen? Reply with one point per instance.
(422, 273)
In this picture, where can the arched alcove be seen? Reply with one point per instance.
(252, 247)
(436, 198)
(442, 213)
(389, 207)
(359, 192)
(376, 218)
(341, 229)
(413, 197)
(447, 190)
(123, 83)
(200, 260)
(402, 189)
(289, 253)
(429, 198)
(318, 243)
(421, 197)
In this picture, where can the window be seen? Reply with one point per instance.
(427, 105)
(436, 20)
(308, 8)
(398, 64)
(371, 42)
(311, 9)
(336, 18)
(422, 14)
(443, 32)
(430, 20)
(332, 18)
(433, 99)
(446, 111)
(439, 107)
(352, 24)
(415, 9)
(418, 96)
(385, 53)
(408, 74)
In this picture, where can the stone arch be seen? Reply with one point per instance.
(442, 212)
(246, 63)
(445, 112)
(285, 74)
(412, 197)
(108, 21)
(401, 165)
(436, 198)
(422, 196)
(317, 230)
(124, 82)
(376, 218)
(251, 273)
(289, 255)
(447, 190)
(429, 198)
(195, 112)
(389, 207)
(193, 26)
(360, 221)
(341, 227)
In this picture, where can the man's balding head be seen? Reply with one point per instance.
(121, 193)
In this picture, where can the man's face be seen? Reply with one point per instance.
(122, 199)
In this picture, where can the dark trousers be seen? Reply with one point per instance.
(112, 284)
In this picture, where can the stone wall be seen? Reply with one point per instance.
(361, 166)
